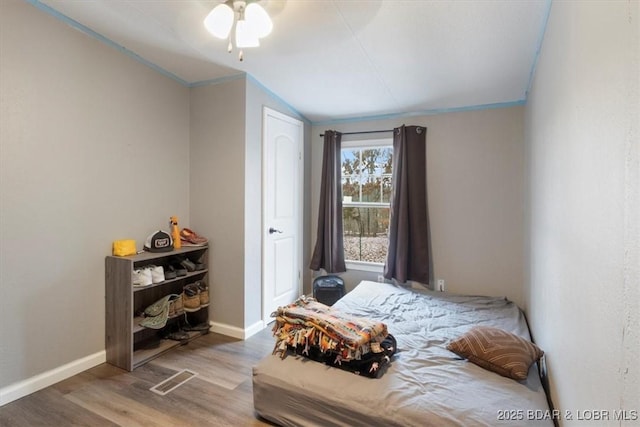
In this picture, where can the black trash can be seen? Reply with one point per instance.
(328, 289)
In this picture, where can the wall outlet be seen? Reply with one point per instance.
(440, 285)
(380, 278)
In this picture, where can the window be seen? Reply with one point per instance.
(366, 192)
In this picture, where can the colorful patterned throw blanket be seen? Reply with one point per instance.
(317, 331)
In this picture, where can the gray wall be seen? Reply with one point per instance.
(474, 183)
(94, 147)
(583, 226)
(217, 178)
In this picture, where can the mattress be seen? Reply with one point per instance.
(425, 384)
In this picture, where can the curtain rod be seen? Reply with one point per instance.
(363, 132)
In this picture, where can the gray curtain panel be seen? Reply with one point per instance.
(408, 255)
(329, 251)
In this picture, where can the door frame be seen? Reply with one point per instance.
(266, 112)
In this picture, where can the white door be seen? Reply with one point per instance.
(282, 211)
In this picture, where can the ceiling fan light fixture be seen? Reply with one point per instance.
(258, 19)
(246, 35)
(219, 21)
(251, 21)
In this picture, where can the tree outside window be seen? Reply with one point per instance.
(366, 191)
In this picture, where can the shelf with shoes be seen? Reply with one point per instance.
(190, 275)
(137, 327)
(185, 319)
(130, 344)
(149, 343)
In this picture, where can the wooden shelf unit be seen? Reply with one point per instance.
(129, 345)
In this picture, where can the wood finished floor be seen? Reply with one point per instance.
(221, 394)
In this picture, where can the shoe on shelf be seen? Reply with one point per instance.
(191, 298)
(175, 305)
(170, 272)
(142, 277)
(157, 273)
(176, 335)
(180, 270)
(188, 264)
(191, 238)
(199, 327)
(204, 293)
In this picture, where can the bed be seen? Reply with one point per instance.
(424, 385)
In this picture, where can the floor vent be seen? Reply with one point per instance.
(173, 382)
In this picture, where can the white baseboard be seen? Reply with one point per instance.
(31, 385)
(254, 329)
(235, 332)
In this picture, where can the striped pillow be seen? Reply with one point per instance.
(496, 350)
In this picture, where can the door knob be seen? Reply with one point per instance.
(274, 230)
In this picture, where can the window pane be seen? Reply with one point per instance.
(386, 166)
(350, 188)
(350, 175)
(371, 190)
(366, 234)
(386, 188)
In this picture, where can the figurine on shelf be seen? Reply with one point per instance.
(175, 232)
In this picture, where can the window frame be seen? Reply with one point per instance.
(363, 144)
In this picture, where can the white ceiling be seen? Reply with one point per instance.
(340, 59)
